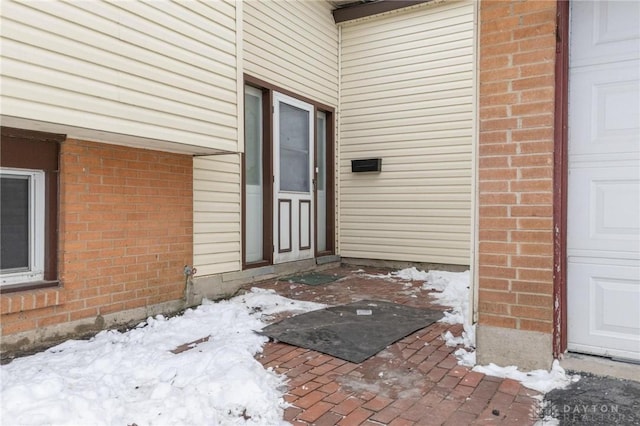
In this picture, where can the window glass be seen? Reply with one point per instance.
(253, 136)
(294, 149)
(254, 190)
(321, 217)
(321, 125)
(14, 223)
(21, 225)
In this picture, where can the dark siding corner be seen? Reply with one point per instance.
(362, 10)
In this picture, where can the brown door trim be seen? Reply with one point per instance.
(267, 141)
(267, 174)
(316, 166)
(261, 84)
(267, 188)
(28, 149)
(560, 171)
(330, 184)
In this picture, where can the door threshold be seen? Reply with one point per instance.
(600, 366)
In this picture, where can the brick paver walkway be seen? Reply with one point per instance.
(415, 381)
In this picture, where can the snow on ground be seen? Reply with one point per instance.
(540, 380)
(453, 290)
(134, 378)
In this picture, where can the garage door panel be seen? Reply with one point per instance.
(599, 223)
(612, 297)
(605, 116)
(603, 212)
(615, 303)
(613, 35)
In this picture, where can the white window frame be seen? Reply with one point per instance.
(35, 271)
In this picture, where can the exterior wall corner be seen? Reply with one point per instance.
(516, 145)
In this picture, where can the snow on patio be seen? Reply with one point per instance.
(135, 378)
(452, 290)
(199, 368)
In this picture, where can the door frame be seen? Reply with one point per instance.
(560, 179)
(268, 90)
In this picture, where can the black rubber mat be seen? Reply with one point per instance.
(352, 332)
(314, 278)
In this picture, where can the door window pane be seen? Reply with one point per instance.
(254, 190)
(321, 125)
(294, 149)
(253, 138)
(14, 223)
(321, 129)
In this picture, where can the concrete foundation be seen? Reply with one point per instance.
(225, 285)
(212, 287)
(394, 264)
(529, 350)
(35, 340)
(601, 366)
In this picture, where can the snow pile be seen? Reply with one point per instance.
(453, 291)
(540, 380)
(134, 378)
(268, 303)
(465, 357)
(408, 274)
(453, 288)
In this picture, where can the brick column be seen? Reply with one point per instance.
(516, 102)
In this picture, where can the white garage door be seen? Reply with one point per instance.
(603, 244)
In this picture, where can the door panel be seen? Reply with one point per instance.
(605, 322)
(304, 212)
(293, 178)
(284, 226)
(607, 118)
(606, 202)
(606, 31)
(603, 217)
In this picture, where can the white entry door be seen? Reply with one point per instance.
(293, 127)
(603, 218)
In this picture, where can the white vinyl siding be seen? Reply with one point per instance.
(216, 214)
(294, 45)
(161, 70)
(407, 97)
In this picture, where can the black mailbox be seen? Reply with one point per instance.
(368, 165)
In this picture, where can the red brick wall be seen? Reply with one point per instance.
(516, 101)
(126, 232)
